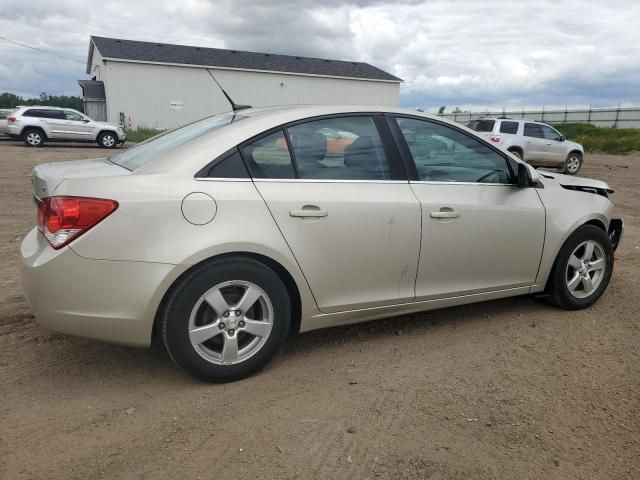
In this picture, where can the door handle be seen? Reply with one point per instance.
(308, 213)
(445, 214)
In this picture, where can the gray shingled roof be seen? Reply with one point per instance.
(216, 57)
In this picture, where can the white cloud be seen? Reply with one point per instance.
(453, 52)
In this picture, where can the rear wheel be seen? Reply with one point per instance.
(516, 153)
(33, 137)
(583, 268)
(573, 163)
(107, 140)
(226, 320)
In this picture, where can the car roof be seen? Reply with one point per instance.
(44, 107)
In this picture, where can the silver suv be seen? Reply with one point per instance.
(534, 142)
(35, 125)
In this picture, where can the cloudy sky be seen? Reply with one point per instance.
(467, 53)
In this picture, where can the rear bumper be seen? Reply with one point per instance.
(113, 301)
(616, 227)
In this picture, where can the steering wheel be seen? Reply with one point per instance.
(488, 175)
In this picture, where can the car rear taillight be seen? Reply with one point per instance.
(63, 219)
(11, 119)
(495, 138)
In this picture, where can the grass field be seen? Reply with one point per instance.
(602, 140)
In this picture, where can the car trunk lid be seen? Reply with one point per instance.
(48, 176)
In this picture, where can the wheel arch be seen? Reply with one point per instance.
(277, 267)
(595, 222)
(34, 127)
(517, 149)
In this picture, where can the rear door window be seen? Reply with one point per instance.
(482, 125)
(509, 127)
(339, 148)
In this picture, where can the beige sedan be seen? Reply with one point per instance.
(226, 236)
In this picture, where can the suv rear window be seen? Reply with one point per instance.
(482, 125)
(509, 127)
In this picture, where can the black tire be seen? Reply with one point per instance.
(33, 137)
(175, 318)
(560, 293)
(573, 163)
(516, 153)
(108, 140)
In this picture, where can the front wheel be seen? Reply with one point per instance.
(226, 320)
(573, 163)
(516, 153)
(583, 268)
(108, 140)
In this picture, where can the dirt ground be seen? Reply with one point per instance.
(510, 389)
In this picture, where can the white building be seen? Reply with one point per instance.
(159, 85)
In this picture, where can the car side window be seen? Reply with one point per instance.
(549, 133)
(73, 116)
(268, 157)
(444, 154)
(339, 148)
(509, 127)
(533, 130)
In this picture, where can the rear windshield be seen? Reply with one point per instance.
(147, 151)
(481, 125)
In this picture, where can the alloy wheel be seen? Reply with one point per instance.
(231, 322)
(34, 138)
(108, 141)
(585, 269)
(573, 164)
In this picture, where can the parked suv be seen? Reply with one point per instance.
(534, 142)
(35, 125)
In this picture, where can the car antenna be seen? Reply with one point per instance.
(234, 106)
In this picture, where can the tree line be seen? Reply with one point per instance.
(9, 100)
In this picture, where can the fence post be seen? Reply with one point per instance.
(565, 114)
(615, 123)
(589, 115)
(455, 116)
(542, 120)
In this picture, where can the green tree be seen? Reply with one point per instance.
(441, 109)
(10, 100)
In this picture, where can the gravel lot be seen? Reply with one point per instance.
(510, 389)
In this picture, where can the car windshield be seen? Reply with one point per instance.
(147, 151)
(481, 125)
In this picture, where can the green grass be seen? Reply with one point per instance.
(141, 134)
(601, 140)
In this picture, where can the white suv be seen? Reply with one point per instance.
(534, 142)
(35, 125)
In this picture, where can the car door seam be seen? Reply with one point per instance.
(287, 243)
(544, 240)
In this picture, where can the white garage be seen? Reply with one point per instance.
(159, 85)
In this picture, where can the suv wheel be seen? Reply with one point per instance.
(516, 153)
(573, 163)
(33, 138)
(108, 140)
(583, 268)
(226, 320)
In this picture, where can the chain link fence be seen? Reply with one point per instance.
(600, 117)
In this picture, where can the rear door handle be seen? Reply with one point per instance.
(445, 214)
(308, 212)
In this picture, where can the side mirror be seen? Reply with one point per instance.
(527, 175)
(562, 138)
(86, 120)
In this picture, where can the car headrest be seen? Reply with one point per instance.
(309, 147)
(361, 153)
